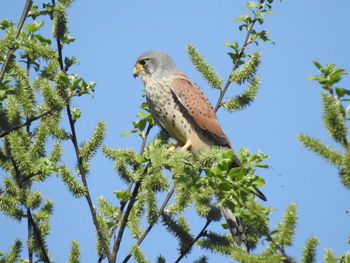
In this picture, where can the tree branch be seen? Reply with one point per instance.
(115, 226)
(28, 122)
(25, 12)
(82, 172)
(132, 201)
(24, 179)
(200, 234)
(150, 226)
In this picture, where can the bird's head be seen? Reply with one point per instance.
(154, 63)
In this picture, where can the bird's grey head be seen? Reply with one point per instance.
(154, 63)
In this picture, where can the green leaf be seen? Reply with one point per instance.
(237, 172)
(33, 26)
(126, 133)
(76, 113)
(262, 165)
(42, 39)
(258, 181)
(251, 4)
(139, 158)
(69, 62)
(317, 64)
(122, 195)
(68, 39)
(5, 24)
(341, 92)
(330, 74)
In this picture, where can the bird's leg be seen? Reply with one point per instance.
(186, 146)
(173, 147)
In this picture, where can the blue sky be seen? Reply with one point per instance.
(110, 35)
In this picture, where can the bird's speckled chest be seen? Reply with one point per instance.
(166, 109)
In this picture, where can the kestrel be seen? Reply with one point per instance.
(180, 107)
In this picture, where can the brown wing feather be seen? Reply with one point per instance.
(198, 107)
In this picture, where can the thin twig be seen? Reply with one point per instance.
(287, 259)
(9, 53)
(24, 179)
(132, 200)
(116, 223)
(150, 226)
(145, 137)
(122, 206)
(116, 245)
(84, 180)
(38, 236)
(236, 65)
(200, 234)
(30, 236)
(28, 122)
(123, 203)
(59, 47)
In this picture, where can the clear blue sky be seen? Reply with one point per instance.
(112, 34)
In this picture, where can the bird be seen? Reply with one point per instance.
(179, 107)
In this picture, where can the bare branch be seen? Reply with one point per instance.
(200, 234)
(150, 226)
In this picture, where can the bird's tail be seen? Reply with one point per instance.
(235, 226)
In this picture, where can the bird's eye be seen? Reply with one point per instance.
(143, 62)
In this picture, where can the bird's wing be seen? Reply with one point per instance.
(198, 107)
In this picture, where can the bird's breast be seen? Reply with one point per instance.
(167, 111)
(172, 116)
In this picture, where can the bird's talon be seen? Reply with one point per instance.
(173, 147)
(186, 146)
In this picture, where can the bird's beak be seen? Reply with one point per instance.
(137, 69)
